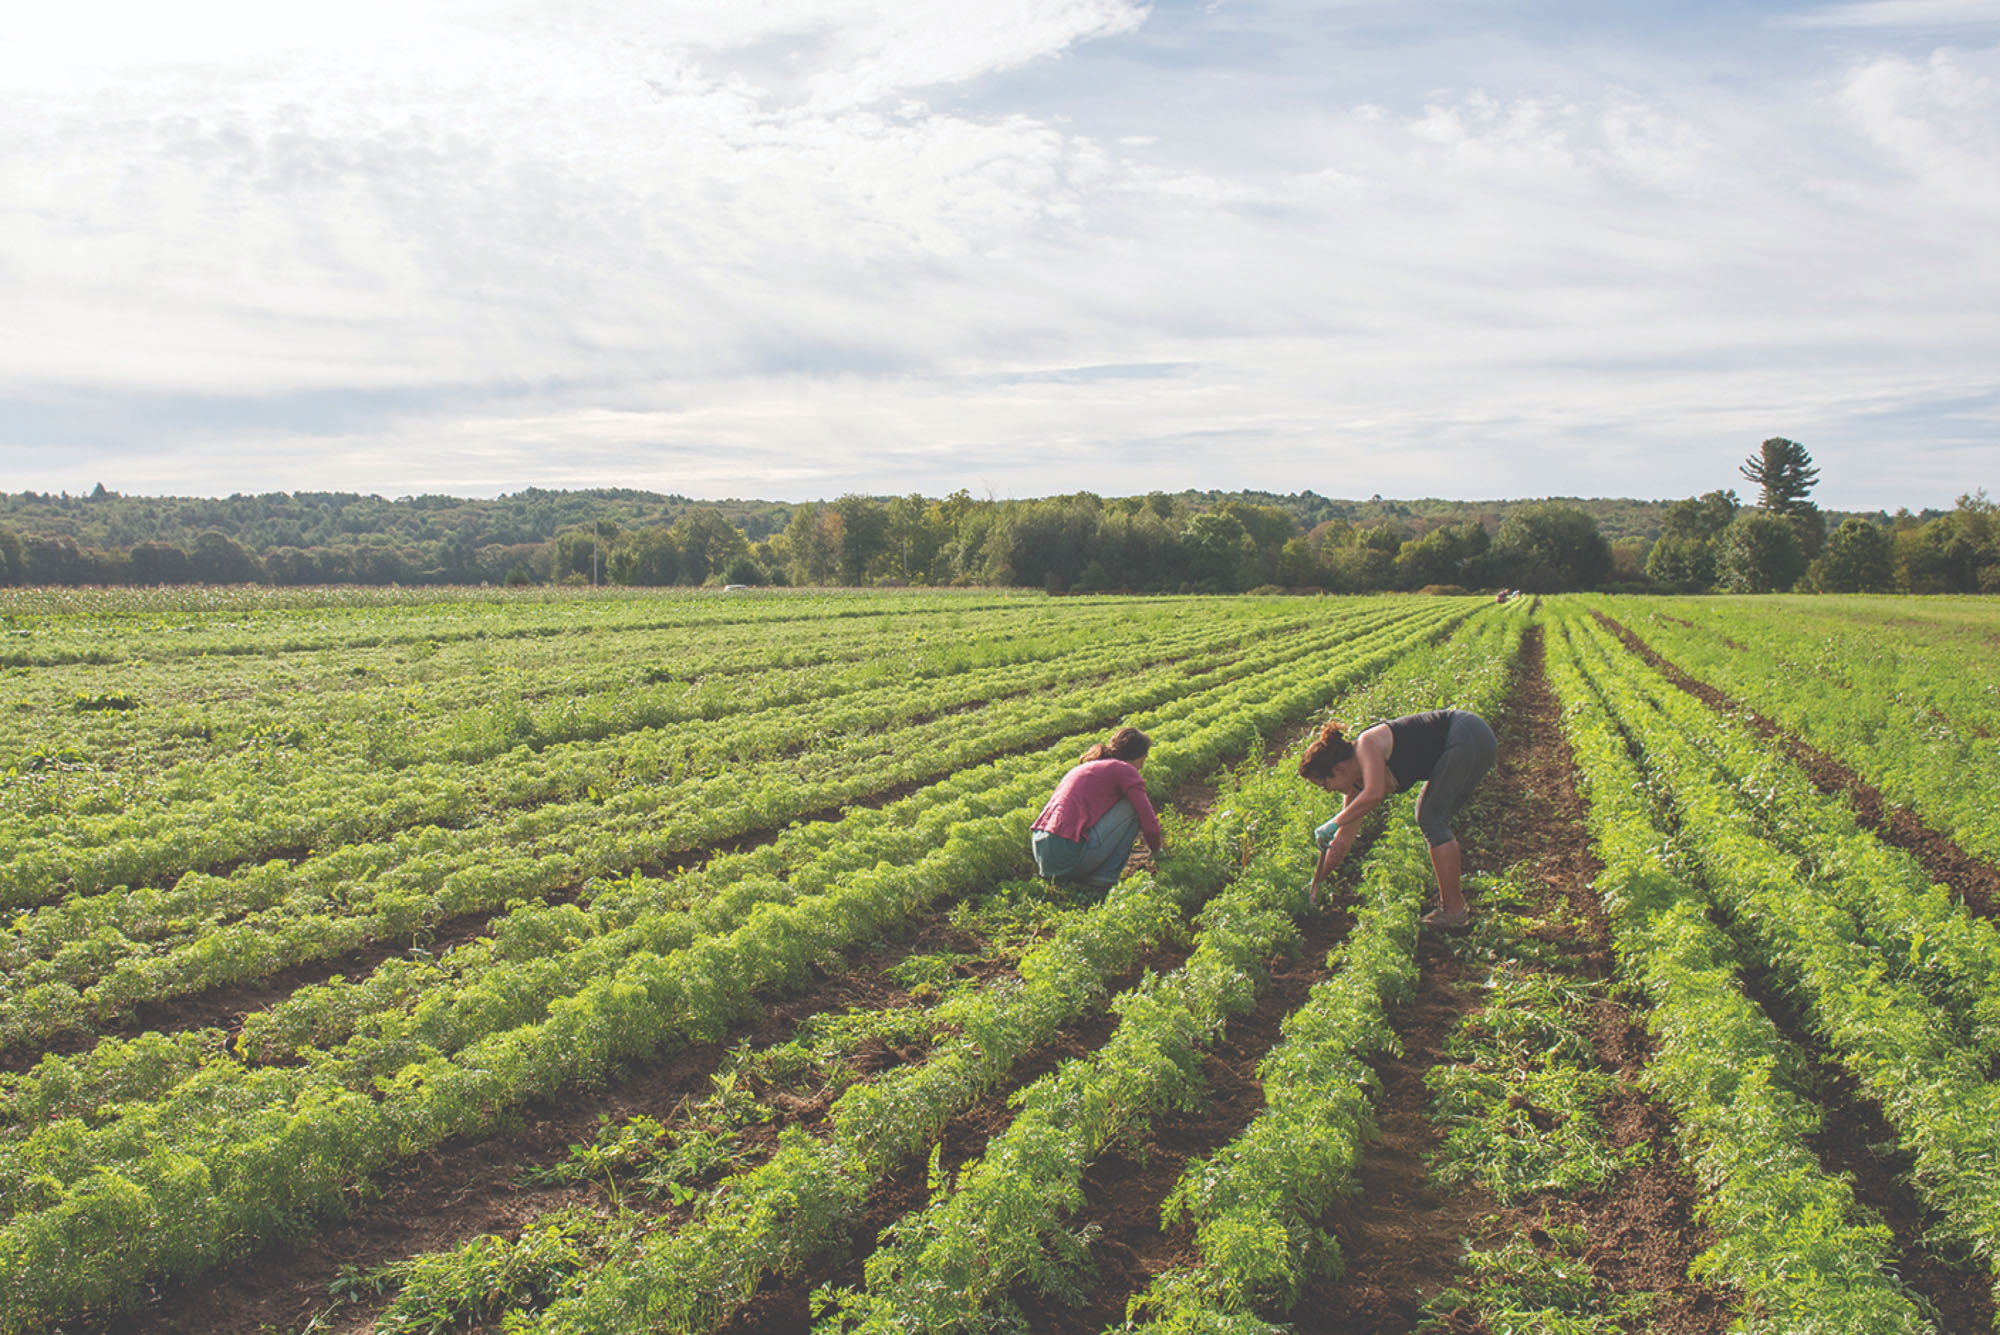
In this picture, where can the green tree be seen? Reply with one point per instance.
(13, 564)
(1859, 558)
(218, 558)
(1364, 560)
(1937, 557)
(811, 544)
(1220, 552)
(1550, 547)
(918, 532)
(1784, 474)
(1760, 553)
(646, 556)
(1684, 558)
(709, 544)
(864, 536)
(1785, 477)
(1299, 567)
(1442, 556)
(159, 563)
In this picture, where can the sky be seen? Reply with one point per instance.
(793, 249)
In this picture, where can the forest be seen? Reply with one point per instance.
(1185, 542)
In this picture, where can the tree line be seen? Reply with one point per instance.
(1715, 542)
(1189, 541)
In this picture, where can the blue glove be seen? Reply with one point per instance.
(1324, 834)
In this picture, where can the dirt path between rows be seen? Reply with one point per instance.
(1402, 1235)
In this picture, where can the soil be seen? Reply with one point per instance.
(1401, 1237)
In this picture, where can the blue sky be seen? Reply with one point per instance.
(796, 248)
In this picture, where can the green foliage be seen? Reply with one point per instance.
(1550, 547)
(1784, 475)
(487, 1275)
(1859, 558)
(1760, 552)
(1518, 1098)
(1534, 1285)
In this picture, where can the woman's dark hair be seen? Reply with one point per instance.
(1324, 752)
(1127, 744)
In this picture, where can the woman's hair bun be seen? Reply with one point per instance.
(1325, 751)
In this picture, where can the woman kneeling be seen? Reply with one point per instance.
(1099, 810)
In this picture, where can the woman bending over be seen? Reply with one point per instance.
(1099, 810)
(1446, 750)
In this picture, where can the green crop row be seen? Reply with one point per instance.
(537, 952)
(1899, 1046)
(1920, 727)
(234, 1156)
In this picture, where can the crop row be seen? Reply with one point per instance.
(108, 628)
(1918, 726)
(365, 893)
(325, 796)
(1904, 1050)
(538, 951)
(234, 1156)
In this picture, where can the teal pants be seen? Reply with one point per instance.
(1098, 858)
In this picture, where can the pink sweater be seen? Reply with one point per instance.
(1090, 790)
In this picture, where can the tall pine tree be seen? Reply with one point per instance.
(1785, 474)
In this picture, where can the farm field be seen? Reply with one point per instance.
(569, 961)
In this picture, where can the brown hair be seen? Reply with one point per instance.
(1324, 752)
(1127, 744)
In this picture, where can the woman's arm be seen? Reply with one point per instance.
(1371, 749)
(1134, 787)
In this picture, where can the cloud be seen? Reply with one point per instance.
(1898, 14)
(796, 249)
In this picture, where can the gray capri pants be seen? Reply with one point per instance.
(1469, 751)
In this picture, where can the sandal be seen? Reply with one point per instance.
(1441, 921)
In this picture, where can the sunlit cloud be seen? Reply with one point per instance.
(805, 247)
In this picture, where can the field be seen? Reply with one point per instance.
(565, 961)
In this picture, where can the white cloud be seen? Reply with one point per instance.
(800, 247)
(1898, 14)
